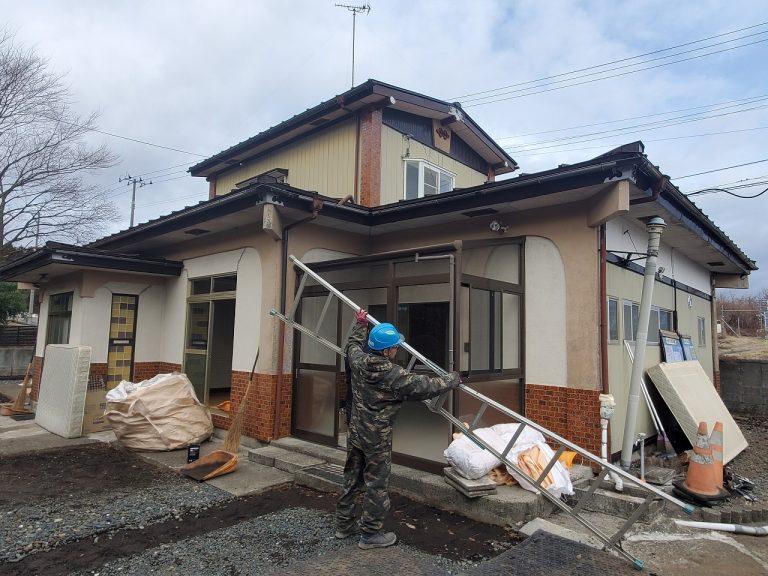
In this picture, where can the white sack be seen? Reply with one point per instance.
(469, 459)
(162, 413)
(122, 390)
(528, 439)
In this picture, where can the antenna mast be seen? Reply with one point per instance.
(362, 9)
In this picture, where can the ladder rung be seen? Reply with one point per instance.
(308, 332)
(549, 466)
(297, 297)
(437, 402)
(616, 538)
(323, 313)
(595, 484)
(411, 363)
(512, 441)
(477, 417)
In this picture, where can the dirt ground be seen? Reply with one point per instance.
(743, 348)
(753, 462)
(82, 476)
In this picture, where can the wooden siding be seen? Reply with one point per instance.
(323, 162)
(394, 146)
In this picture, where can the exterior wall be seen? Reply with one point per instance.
(393, 149)
(323, 162)
(628, 285)
(676, 265)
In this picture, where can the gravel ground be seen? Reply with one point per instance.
(45, 504)
(268, 544)
(753, 462)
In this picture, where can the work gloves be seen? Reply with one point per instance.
(453, 380)
(362, 317)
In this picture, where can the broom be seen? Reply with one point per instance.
(21, 397)
(232, 442)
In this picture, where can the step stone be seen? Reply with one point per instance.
(619, 504)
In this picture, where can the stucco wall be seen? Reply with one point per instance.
(627, 285)
(394, 146)
(546, 356)
(323, 162)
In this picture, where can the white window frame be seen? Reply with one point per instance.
(619, 312)
(422, 164)
(701, 331)
(653, 339)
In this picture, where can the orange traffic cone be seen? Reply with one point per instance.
(716, 442)
(700, 482)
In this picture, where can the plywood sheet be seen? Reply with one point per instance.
(691, 397)
(63, 388)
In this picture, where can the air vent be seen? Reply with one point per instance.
(713, 264)
(196, 231)
(318, 122)
(480, 212)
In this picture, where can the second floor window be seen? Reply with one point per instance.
(425, 179)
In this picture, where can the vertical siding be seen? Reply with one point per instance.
(324, 163)
(626, 285)
(394, 146)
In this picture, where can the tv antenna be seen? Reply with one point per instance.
(361, 9)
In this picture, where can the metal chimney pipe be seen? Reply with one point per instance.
(655, 227)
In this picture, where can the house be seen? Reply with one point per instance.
(523, 284)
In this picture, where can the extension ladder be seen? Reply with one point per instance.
(574, 509)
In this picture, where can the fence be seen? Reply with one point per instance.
(18, 335)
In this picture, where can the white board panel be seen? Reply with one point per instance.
(63, 387)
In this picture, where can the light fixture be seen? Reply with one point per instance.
(497, 226)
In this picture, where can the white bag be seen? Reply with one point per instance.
(469, 459)
(528, 439)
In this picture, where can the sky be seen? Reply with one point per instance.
(201, 76)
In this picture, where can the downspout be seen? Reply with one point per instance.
(317, 205)
(607, 403)
(655, 228)
(655, 192)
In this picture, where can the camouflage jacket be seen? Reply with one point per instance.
(379, 388)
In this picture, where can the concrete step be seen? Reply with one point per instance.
(282, 459)
(325, 477)
(618, 504)
(510, 504)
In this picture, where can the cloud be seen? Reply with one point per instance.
(202, 76)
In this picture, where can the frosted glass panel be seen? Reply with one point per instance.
(511, 331)
(313, 352)
(421, 433)
(314, 402)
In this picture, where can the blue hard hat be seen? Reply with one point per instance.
(384, 336)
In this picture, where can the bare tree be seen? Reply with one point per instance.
(44, 158)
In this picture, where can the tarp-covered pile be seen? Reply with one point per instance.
(162, 413)
(530, 452)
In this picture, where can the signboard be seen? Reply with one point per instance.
(688, 348)
(672, 346)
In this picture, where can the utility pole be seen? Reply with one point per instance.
(363, 8)
(134, 181)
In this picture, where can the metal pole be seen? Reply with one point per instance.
(133, 201)
(655, 228)
(354, 20)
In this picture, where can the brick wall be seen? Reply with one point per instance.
(259, 418)
(37, 374)
(572, 413)
(370, 158)
(146, 370)
(716, 381)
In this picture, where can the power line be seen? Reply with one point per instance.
(657, 125)
(612, 75)
(721, 169)
(537, 153)
(741, 101)
(613, 61)
(725, 190)
(169, 200)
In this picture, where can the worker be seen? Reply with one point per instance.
(379, 387)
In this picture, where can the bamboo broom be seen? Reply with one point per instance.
(232, 442)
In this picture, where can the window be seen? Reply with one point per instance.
(632, 320)
(424, 179)
(59, 318)
(653, 326)
(702, 331)
(213, 284)
(665, 320)
(613, 320)
(494, 320)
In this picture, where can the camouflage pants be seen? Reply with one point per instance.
(369, 472)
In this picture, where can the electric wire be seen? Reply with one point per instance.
(592, 67)
(515, 97)
(616, 121)
(721, 169)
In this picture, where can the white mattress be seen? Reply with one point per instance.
(63, 387)
(691, 397)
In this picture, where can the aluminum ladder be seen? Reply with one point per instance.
(573, 508)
